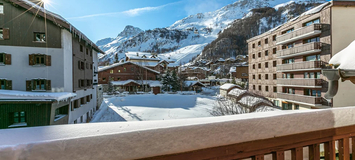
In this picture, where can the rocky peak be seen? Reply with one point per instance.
(130, 31)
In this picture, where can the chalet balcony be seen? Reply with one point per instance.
(301, 33)
(313, 134)
(311, 100)
(304, 49)
(301, 82)
(300, 66)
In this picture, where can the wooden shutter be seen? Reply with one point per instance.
(6, 33)
(8, 59)
(29, 85)
(48, 85)
(48, 60)
(31, 58)
(8, 85)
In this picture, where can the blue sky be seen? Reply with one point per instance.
(107, 18)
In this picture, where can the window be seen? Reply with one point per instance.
(288, 61)
(90, 53)
(1, 8)
(253, 56)
(286, 106)
(90, 66)
(311, 22)
(259, 65)
(87, 51)
(76, 104)
(253, 87)
(305, 75)
(88, 82)
(1, 34)
(87, 65)
(4, 34)
(253, 66)
(266, 64)
(275, 89)
(297, 106)
(274, 37)
(81, 48)
(267, 53)
(82, 83)
(18, 118)
(315, 39)
(259, 43)
(253, 76)
(259, 88)
(2, 58)
(313, 58)
(111, 71)
(82, 65)
(259, 54)
(38, 85)
(253, 45)
(266, 76)
(103, 79)
(2, 84)
(274, 63)
(119, 71)
(244, 74)
(274, 51)
(288, 31)
(266, 41)
(40, 60)
(87, 98)
(82, 101)
(39, 37)
(267, 88)
(125, 69)
(274, 76)
(5, 84)
(60, 112)
(259, 76)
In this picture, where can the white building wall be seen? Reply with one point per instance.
(84, 108)
(19, 71)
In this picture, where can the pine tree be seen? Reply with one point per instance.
(116, 58)
(175, 81)
(166, 81)
(110, 87)
(233, 81)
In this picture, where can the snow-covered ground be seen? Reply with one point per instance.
(154, 107)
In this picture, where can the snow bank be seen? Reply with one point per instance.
(135, 140)
(21, 95)
(345, 58)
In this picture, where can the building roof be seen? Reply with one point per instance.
(228, 86)
(40, 96)
(192, 83)
(128, 62)
(123, 83)
(142, 56)
(151, 83)
(55, 18)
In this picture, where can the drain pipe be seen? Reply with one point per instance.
(333, 76)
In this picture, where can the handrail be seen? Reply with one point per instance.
(299, 49)
(299, 32)
(229, 137)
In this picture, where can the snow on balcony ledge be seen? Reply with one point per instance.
(133, 140)
(21, 95)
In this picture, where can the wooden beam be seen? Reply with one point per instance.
(258, 157)
(297, 153)
(329, 150)
(314, 152)
(278, 155)
(343, 148)
(353, 147)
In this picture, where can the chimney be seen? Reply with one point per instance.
(38, 3)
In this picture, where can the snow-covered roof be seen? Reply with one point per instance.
(122, 83)
(228, 86)
(119, 64)
(237, 92)
(233, 69)
(142, 56)
(151, 83)
(345, 58)
(191, 83)
(221, 60)
(55, 18)
(252, 101)
(149, 64)
(22, 95)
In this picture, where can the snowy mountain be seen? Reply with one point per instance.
(188, 37)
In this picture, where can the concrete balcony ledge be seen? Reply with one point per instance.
(304, 49)
(301, 66)
(301, 33)
(173, 139)
(300, 82)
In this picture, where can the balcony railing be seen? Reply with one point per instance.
(279, 135)
(300, 82)
(305, 65)
(298, 34)
(300, 98)
(307, 48)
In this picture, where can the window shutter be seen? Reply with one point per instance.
(29, 85)
(8, 59)
(48, 85)
(31, 59)
(48, 60)
(8, 85)
(6, 33)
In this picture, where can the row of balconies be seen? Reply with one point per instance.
(301, 98)
(304, 49)
(299, 66)
(301, 33)
(312, 83)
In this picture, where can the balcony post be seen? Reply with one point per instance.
(329, 150)
(314, 152)
(353, 147)
(278, 155)
(297, 153)
(258, 157)
(344, 149)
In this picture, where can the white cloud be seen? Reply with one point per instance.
(132, 12)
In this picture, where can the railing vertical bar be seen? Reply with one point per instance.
(329, 150)
(258, 157)
(353, 147)
(279, 155)
(314, 152)
(343, 147)
(297, 153)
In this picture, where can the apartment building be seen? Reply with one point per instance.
(285, 63)
(43, 53)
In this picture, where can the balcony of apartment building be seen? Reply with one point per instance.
(300, 66)
(300, 82)
(328, 134)
(304, 49)
(306, 96)
(298, 34)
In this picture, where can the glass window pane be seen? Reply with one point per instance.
(22, 119)
(1, 34)
(16, 114)
(22, 114)
(1, 9)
